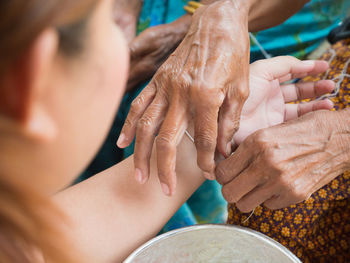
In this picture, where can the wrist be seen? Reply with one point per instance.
(238, 9)
(186, 158)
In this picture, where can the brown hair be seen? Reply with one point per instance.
(28, 221)
(23, 20)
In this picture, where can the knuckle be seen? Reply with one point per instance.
(242, 93)
(170, 73)
(264, 177)
(205, 142)
(183, 80)
(207, 168)
(299, 195)
(301, 93)
(164, 144)
(144, 124)
(152, 33)
(221, 174)
(289, 188)
(271, 157)
(163, 74)
(198, 87)
(243, 207)
(260, 139)
(136, 105)
(150, 90)
(205, 97)
(227, 194)
(284, 183)
(128, 123)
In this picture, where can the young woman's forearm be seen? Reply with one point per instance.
(112, 214)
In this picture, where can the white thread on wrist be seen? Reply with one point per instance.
(189, 136)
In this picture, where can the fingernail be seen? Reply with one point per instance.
(308, 62)
(165, 188)
(121, 139)
(228, 149)
(138, 175)
(209, 176)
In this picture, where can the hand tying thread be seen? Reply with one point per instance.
(252, 213)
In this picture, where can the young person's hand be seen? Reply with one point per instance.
(267, 104)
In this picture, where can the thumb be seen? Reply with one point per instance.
(136, 49)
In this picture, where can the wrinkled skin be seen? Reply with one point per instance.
(204, 80)
(267, 104)
(283, 165)
(152, 47)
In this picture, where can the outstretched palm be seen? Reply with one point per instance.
(267, 104)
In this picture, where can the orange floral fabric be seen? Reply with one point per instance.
(317, 230)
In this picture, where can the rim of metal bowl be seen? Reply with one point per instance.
(249, 231)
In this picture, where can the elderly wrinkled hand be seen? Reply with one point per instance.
(284, 164)
(204, 80)
(152, 47)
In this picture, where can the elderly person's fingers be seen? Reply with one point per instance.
(294, 111)
(205, 138)
(306, 90)
(255, 198)
(229, 168)
(287, 198)
(140, 45)
(247, 180)
(170, 134)
(150, 49)
(229, 116)
(147, 129)
(290, 161)
(281, 201)
(138, 107)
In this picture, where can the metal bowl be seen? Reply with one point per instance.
(212, 243)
